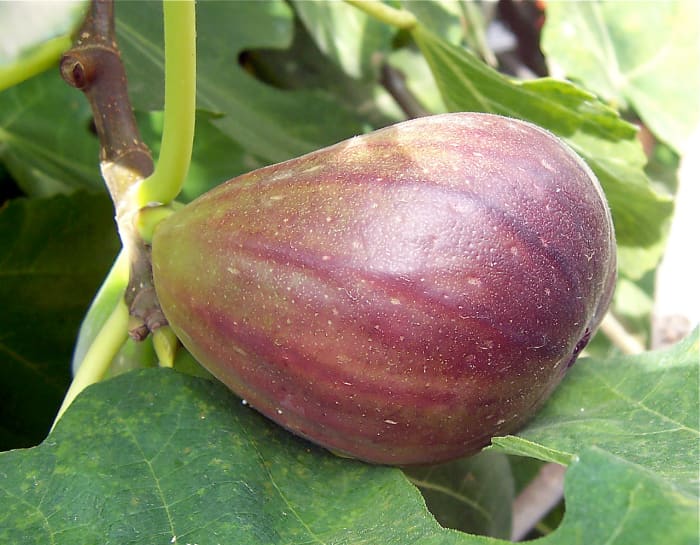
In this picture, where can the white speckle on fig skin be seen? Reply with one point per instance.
(449, 290)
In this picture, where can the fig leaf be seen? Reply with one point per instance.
(157, 456)
(271, 123)
(632, 54)
(34, 145)
(640, 409)
(472, 494)
(345, 34)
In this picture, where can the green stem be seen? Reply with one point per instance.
(146, 220)
(100, 354)
(102, 305)
(165, 344)
(398, 18)
(165, 183)
(42, 58)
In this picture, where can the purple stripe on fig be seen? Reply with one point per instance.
(402, 296)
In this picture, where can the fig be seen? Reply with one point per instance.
(400, 297)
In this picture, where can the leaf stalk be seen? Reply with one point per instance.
(39, 60)
(399, 18)
(166, 181)
(99, 356)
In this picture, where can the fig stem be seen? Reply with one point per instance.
(94, 66)
(165, 344)
(99, 356)
(110, 291)
(399, 18)
(39, 60)
(166, 181)
(146, 220)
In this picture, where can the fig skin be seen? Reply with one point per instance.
(400, 297)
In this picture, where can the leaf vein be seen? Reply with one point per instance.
(281, 494)
(640, 404)
(154, 475)
(454, 495)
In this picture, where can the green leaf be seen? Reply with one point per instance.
(633, 506)
(302, 66)
(268, 123)
(472, 494)
(155, 456)
(419, 80)
(606, 142)
(459, 23)
(633, 53)
(53, 253)
(642, 410)
(45, 137)
(348, 36)
(159, 457)
(443, 18)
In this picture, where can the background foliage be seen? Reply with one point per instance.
(154, 455)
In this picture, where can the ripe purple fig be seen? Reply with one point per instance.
(400, 297)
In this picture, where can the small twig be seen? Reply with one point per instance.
(619, 336)
(537, 499)
(394, 81)
(94, 66)
(475, 35)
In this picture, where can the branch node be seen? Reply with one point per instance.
(76, 73)
(94, 66)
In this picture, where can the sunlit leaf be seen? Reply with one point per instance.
(644, 55)
(48, 148)
(268, 123)
(637, 408)
(351, 38)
